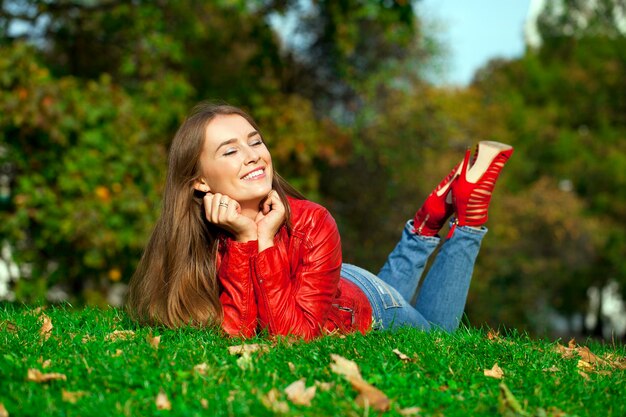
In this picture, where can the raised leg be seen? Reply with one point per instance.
(405, 264)
(441, 299)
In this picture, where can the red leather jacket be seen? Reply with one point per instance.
(294, 287)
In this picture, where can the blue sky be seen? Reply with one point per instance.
(475, 31)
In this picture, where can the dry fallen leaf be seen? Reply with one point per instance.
(201, 368)
(401, 355)
(619, 363)
(204, 403)
(35, 311)
(298, 393)
(584, 366)
(249, 348)
(552, 369)
(494, 372)
(292, 367)
(154, 341)
(44, 364)
(565, 352)
(72, 397)
(588, 356)
(324, 386)
(369, 396)
(9, 327)
(46, 326)
(118, 353)
(615, 361)
(493, 334)
(270, 401)
(345, 367)
(245, 361)
(3, 411)
(588, 360)
(35, 375)
(410, 411)
(162, 402)
(120, 335)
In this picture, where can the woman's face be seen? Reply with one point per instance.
(235, 161)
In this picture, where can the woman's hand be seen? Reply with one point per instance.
(225, 212)
(269, 220)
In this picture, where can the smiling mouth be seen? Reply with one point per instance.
(254, 174)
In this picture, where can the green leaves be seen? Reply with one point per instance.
(90, 162)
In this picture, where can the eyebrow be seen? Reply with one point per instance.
(233, 140)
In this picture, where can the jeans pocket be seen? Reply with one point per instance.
(380, 294)
(388, 296)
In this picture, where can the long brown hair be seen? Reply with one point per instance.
(176, 280)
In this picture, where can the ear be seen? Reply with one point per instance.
(201, 185)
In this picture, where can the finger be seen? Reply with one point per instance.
(270, 201)
(276, 198)
(215, 207)
(267, 206)
(208, 201)
(232, 211)
(277, 202)
(224, 207)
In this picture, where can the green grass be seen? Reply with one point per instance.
(445, 376)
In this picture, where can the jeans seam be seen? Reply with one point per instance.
(394, 303)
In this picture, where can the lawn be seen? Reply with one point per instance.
(90, 362)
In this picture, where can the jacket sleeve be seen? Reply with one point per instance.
(299, 304)
(237, 291)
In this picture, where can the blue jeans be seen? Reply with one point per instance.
(442, 296)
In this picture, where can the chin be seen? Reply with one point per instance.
(257, 194)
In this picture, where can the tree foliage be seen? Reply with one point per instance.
(565, 103)
(88, 164)
(115, 79)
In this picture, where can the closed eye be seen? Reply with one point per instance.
(230, 151)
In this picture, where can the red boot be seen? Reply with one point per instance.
(437, 208)
(471, 192)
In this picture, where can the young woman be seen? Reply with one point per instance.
(236, 246)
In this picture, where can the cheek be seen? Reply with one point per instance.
(217, 173)
(267, 157)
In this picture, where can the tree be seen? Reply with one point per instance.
(581, 18)
(88, 164)
(566, 106)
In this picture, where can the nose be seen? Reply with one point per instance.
(251, 155)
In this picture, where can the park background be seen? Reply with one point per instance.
(91, 93)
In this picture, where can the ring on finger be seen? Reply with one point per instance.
(223, 204)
